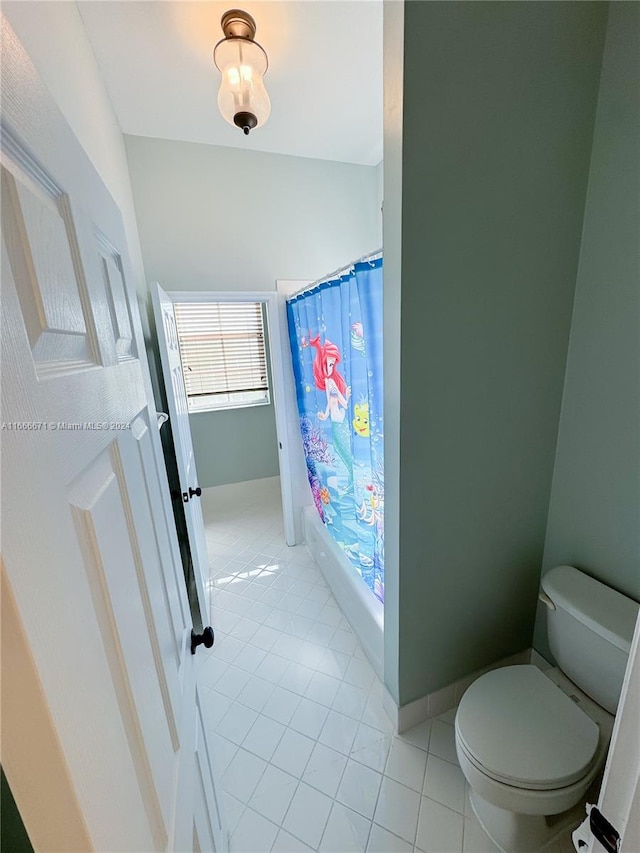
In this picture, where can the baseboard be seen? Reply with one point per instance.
(436, 703)
(539, 661)
(270, 484)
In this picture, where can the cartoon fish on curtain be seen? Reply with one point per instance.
(335, 333)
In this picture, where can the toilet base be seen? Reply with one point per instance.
(522, 833)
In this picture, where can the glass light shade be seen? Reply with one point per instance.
(242, 64)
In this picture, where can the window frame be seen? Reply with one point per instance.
(245, 398)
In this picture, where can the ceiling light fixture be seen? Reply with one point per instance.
(242, 62)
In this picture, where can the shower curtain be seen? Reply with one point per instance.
(335, 331)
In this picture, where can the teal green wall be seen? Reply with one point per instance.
(235, 445)
(499, 106)
(594, 515)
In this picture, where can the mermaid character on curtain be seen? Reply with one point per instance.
(335, 331)
(328, 378)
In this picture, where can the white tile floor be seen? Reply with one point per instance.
(305, 753)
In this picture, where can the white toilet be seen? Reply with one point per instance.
(529, 743)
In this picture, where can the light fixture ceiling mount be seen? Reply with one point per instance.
(238, 24)
(242, 62)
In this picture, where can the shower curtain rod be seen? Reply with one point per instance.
(368, 257)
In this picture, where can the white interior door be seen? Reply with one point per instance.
(177, 404)
(619, 799)
(102, 736)
(282, 399)
(301, 493)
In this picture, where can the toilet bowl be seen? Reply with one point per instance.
(532, 743)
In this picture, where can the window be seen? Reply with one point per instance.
(222, 348)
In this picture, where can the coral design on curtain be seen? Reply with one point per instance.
(335, 331)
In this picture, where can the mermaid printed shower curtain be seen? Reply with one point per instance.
(335, 331)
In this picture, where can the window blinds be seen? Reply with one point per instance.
(223, 355)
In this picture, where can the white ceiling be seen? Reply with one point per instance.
(324, 77)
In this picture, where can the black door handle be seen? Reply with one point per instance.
(205, 639)
(197, 491)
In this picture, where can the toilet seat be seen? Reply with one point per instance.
(517, 727)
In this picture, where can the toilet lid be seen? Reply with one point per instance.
(519, 728)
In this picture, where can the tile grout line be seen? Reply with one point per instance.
(295, 573)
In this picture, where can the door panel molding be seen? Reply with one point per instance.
(103, 523)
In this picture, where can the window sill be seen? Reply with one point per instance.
(229, 407)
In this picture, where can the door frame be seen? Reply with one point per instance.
(619, 796)
(269, 298)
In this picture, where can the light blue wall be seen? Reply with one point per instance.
(499, 106)
(213, 218)
(594, 516)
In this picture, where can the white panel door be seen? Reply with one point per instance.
(177, 404)
(619, 799)
(103, 741)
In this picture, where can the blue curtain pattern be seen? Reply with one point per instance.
(335, 331)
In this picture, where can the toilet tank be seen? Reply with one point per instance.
(590, 632)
